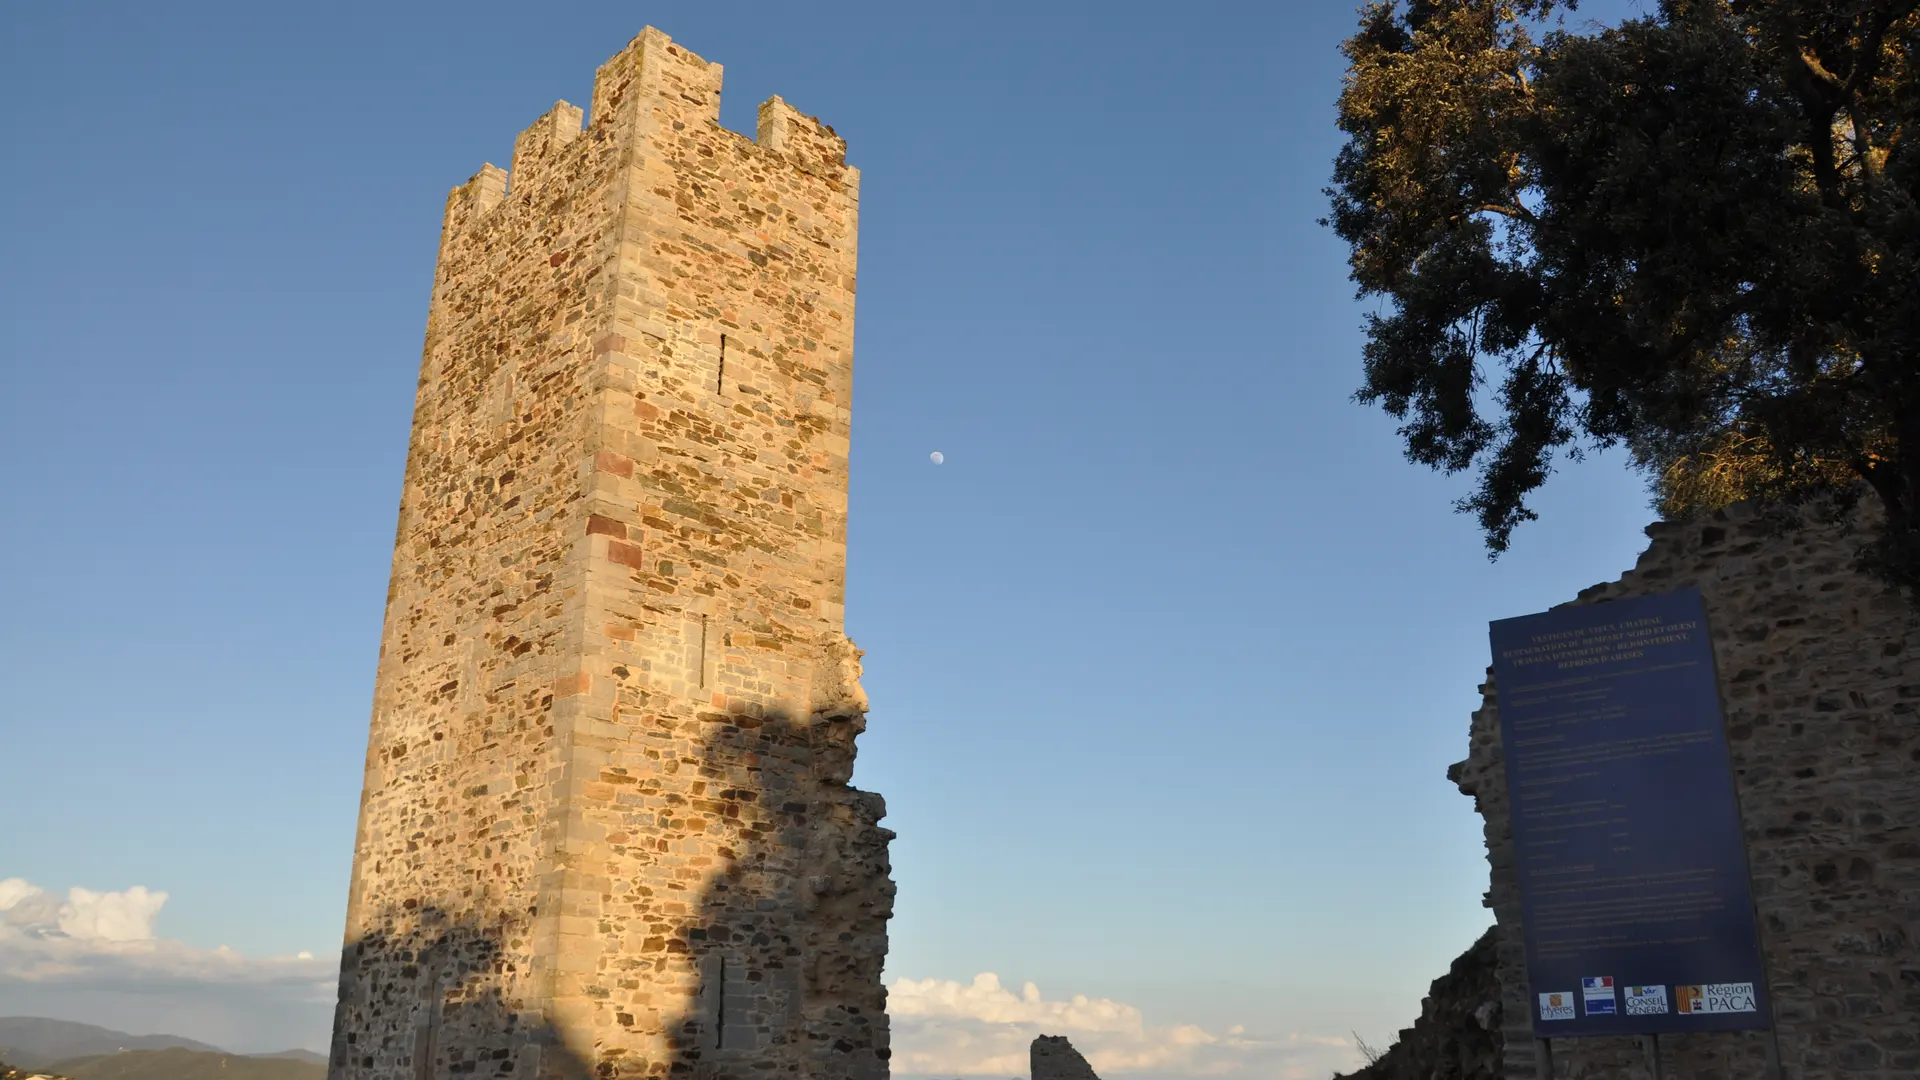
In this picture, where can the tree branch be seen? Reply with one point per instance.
(1516, 212)
(1817, 72)
(1821, 94)
(1867, 65)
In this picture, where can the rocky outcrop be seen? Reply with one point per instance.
(1458, 1034)
(1054, 1058)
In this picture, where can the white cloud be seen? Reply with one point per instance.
(946, 1028)
(97, 953)
(94, 957)
(114, 916)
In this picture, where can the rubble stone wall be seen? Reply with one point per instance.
(1457, 1035)
(1819, 671)
(607, 825)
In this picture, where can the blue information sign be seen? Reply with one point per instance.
(1633, 873)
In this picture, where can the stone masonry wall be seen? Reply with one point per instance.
(1052, 1057)
(1457, 1035)
(1819, 671)
(607, 826)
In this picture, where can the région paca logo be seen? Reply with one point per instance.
(1716, 998)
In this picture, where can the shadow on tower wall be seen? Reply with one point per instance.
(772, 967)
(433, 1002)
(790, 933)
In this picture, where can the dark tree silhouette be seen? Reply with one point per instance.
(1695, 235)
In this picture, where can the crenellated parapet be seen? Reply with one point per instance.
(472, 201)
(540, 150)
(654, 81)
(811, 145)
(652, 90)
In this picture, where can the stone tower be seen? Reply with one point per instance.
(607, 828)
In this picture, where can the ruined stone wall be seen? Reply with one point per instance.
(607, 824)
(1457, 1035)
(1819, 670)
(1052, 1057)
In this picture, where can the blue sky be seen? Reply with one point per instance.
(1167, 660)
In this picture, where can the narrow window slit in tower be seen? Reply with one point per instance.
(720, 1010)
(703, 651)
(720, 384)
(426, 1036)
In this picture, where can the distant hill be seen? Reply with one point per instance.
(34, 1042)
(8, 1072)
(178, 1064)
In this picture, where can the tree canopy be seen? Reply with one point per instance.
(1694, 236)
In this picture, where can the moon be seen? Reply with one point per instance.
(936, 457)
